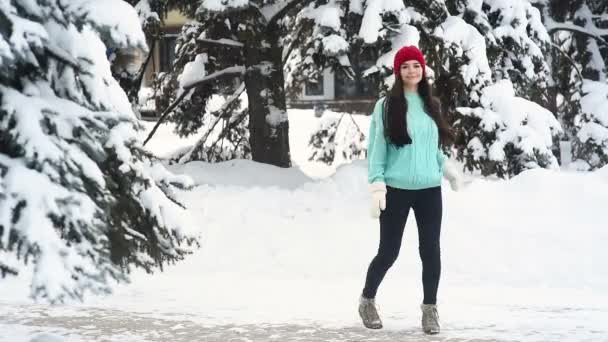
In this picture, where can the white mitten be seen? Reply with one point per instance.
(451, 173)
(378, 193)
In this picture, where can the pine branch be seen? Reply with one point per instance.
(228, 72)
(5, 269)
(64, 57)
(293, 44)
(175, 201)
(290, 4)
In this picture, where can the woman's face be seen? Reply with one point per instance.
(411, 73)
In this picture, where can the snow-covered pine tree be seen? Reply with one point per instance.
(514, 134)
(580, 31)
(517, 44)
(233, 50)
(476, 47)
(509, 37)
(80, 200)
(456, 53)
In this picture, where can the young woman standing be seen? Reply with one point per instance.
(405, 168)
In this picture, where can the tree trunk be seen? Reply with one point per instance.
(268, 124)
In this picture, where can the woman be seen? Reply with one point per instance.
(405, 167)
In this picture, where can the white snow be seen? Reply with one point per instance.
(523, 123)
(468, 42)
(193, 70)
(585, 13)
(114, 17)
(334, 45)
(222, 5)
(475, 5)
(275, 116)
(356, 6)
(327, 15)
(222, 41)
(595, 99)
(145, 98)
(371, 24)
(198, 77)
(522, 259)
(145, 12)
(593, 104)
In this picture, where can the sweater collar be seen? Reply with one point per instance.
(411, 94)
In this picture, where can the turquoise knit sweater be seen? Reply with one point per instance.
(418, 165)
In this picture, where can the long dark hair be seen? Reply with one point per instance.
(395, 109)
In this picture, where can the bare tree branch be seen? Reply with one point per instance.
(228, 72)
(356, 125)
(142, 69)
(221, 115)
(576, 29)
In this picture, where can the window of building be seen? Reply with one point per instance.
(358, 86)
(314, 88)
(167, 51)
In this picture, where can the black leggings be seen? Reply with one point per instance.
(427, 207)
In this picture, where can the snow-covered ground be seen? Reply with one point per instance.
(284, 254)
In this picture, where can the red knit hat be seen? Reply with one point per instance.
(408, 53)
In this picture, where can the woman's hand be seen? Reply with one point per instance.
(451, 173)
(378, 194)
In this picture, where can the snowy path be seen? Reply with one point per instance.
(96, 324)
(112, 325)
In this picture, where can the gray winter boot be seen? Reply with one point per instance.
(430, 319)
(369, 313)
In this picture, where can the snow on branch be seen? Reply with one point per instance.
(235, 70)
(223, 41)
(63, 56)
